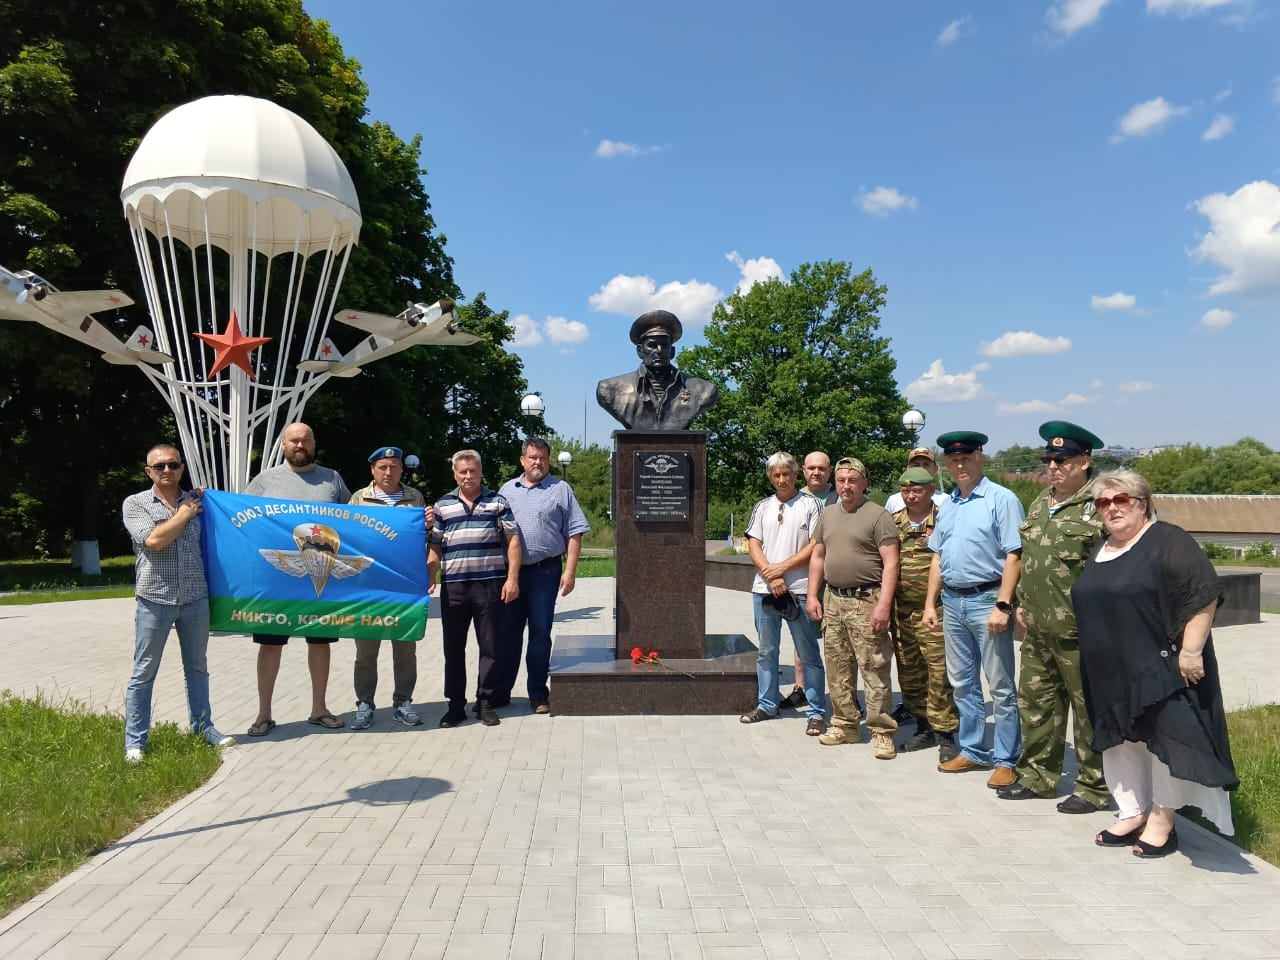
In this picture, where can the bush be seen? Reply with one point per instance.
(1260, 550)
(1215, 551)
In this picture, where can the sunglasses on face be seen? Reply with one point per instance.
(1120, 500)
(1056, 461)
(166, 465)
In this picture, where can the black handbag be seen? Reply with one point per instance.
(785, 606)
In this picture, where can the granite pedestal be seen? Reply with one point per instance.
(660, 512)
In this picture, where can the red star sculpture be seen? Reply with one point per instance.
(232, 346)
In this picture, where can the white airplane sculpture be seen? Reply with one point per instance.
(416, 325)
(26, 296)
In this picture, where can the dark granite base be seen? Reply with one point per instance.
(588, 681)
(1243, 599)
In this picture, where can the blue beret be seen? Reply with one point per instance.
(385, 453)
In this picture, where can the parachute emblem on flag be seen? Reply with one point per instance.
(317, 556)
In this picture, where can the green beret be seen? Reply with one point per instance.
(1067, 438)
(915, 475)
(962, 441)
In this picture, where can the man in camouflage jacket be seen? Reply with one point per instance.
(1059, 531)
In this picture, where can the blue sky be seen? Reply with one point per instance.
(1073, 204)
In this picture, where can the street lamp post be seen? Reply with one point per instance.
(565, 459)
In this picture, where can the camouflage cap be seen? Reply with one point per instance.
(1069, 439)
(851, 463)
(926, 452)
(916, 475)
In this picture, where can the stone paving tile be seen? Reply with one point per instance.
(644, 837)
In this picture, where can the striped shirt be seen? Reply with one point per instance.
(473, 540)
(174, 575)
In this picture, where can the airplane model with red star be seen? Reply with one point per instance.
(417, 325)
(25, 296)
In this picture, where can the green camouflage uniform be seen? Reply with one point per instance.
(1054, 547)
(922, 656)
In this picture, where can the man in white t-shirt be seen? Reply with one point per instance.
(778, 542)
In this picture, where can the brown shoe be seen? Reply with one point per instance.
(960, 764)
(541, 706)
(1002, 777)
(884, 749)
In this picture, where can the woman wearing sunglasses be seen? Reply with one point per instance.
(1144, 605)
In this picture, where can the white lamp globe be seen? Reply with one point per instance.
(913, 420)
(532, 406)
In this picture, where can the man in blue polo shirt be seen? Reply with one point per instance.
(475, 545)
(977, 559)
(551, 527)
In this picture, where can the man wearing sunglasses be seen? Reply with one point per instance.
(1060, 530)
(164, 524)
(977, 559)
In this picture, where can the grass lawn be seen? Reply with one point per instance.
(596, 567)
(66, 791)
(1255, 807)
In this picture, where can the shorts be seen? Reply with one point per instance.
(271, 640)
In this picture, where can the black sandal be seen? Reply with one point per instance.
(755, 716)
(1108, 839)
(816, 728)
(1149, 851)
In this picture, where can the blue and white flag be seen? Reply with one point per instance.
(293, 568)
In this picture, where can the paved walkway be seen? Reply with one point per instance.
(659, 838)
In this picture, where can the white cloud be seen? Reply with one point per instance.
(982, 366)
(938, 386)
(617, 148)
(1145, 118)
(953, 31)
(1114, 301)
(1217, 318)
(1275, 89)
(560, 330)
(1027, 406)
(1243, 238)
(691, 301)
(1078, 400)
(1185, 8)
(1219, 128)
(883, 201)
(527, 332)
(1068, 16)
(1138, 386)
(1023, 343)
(755, 270)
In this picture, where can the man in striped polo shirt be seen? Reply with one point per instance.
(474, 541)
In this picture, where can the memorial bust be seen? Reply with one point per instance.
(657, 396)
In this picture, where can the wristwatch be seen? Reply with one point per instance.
(1004, 606)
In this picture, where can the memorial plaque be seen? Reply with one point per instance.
(663, 485)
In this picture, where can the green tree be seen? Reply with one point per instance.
(80, 83)
(801, 366)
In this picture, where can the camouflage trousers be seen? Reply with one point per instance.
(922, 669)
(1048, 684)
(849, 643)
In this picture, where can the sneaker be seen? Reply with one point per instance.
(363, 717)
(838, 735)
(884, 748)
(133, 756)
(452, 718)
(901, 714)
(541, 706)
(407, 715)
(216, 739)
(922, 739)
(947, 749)
(484, 710)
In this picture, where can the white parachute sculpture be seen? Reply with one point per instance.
(243, 219)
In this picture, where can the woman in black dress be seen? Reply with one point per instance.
(1144, 604)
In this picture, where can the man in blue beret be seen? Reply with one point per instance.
(387, 466)
(1061, 530)
(977, 558)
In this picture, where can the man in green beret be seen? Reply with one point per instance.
(921, 653)
(1060, 530)
(977, 560)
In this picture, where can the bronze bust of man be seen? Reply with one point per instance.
(657, 396)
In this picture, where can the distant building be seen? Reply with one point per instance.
(1229, 521)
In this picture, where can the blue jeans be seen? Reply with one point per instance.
(970, 649)
(804, 634)
(536, 605)
(152, 623)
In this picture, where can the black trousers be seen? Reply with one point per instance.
(461, 603)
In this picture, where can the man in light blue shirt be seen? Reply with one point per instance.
(551, 527)
(977, 559)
